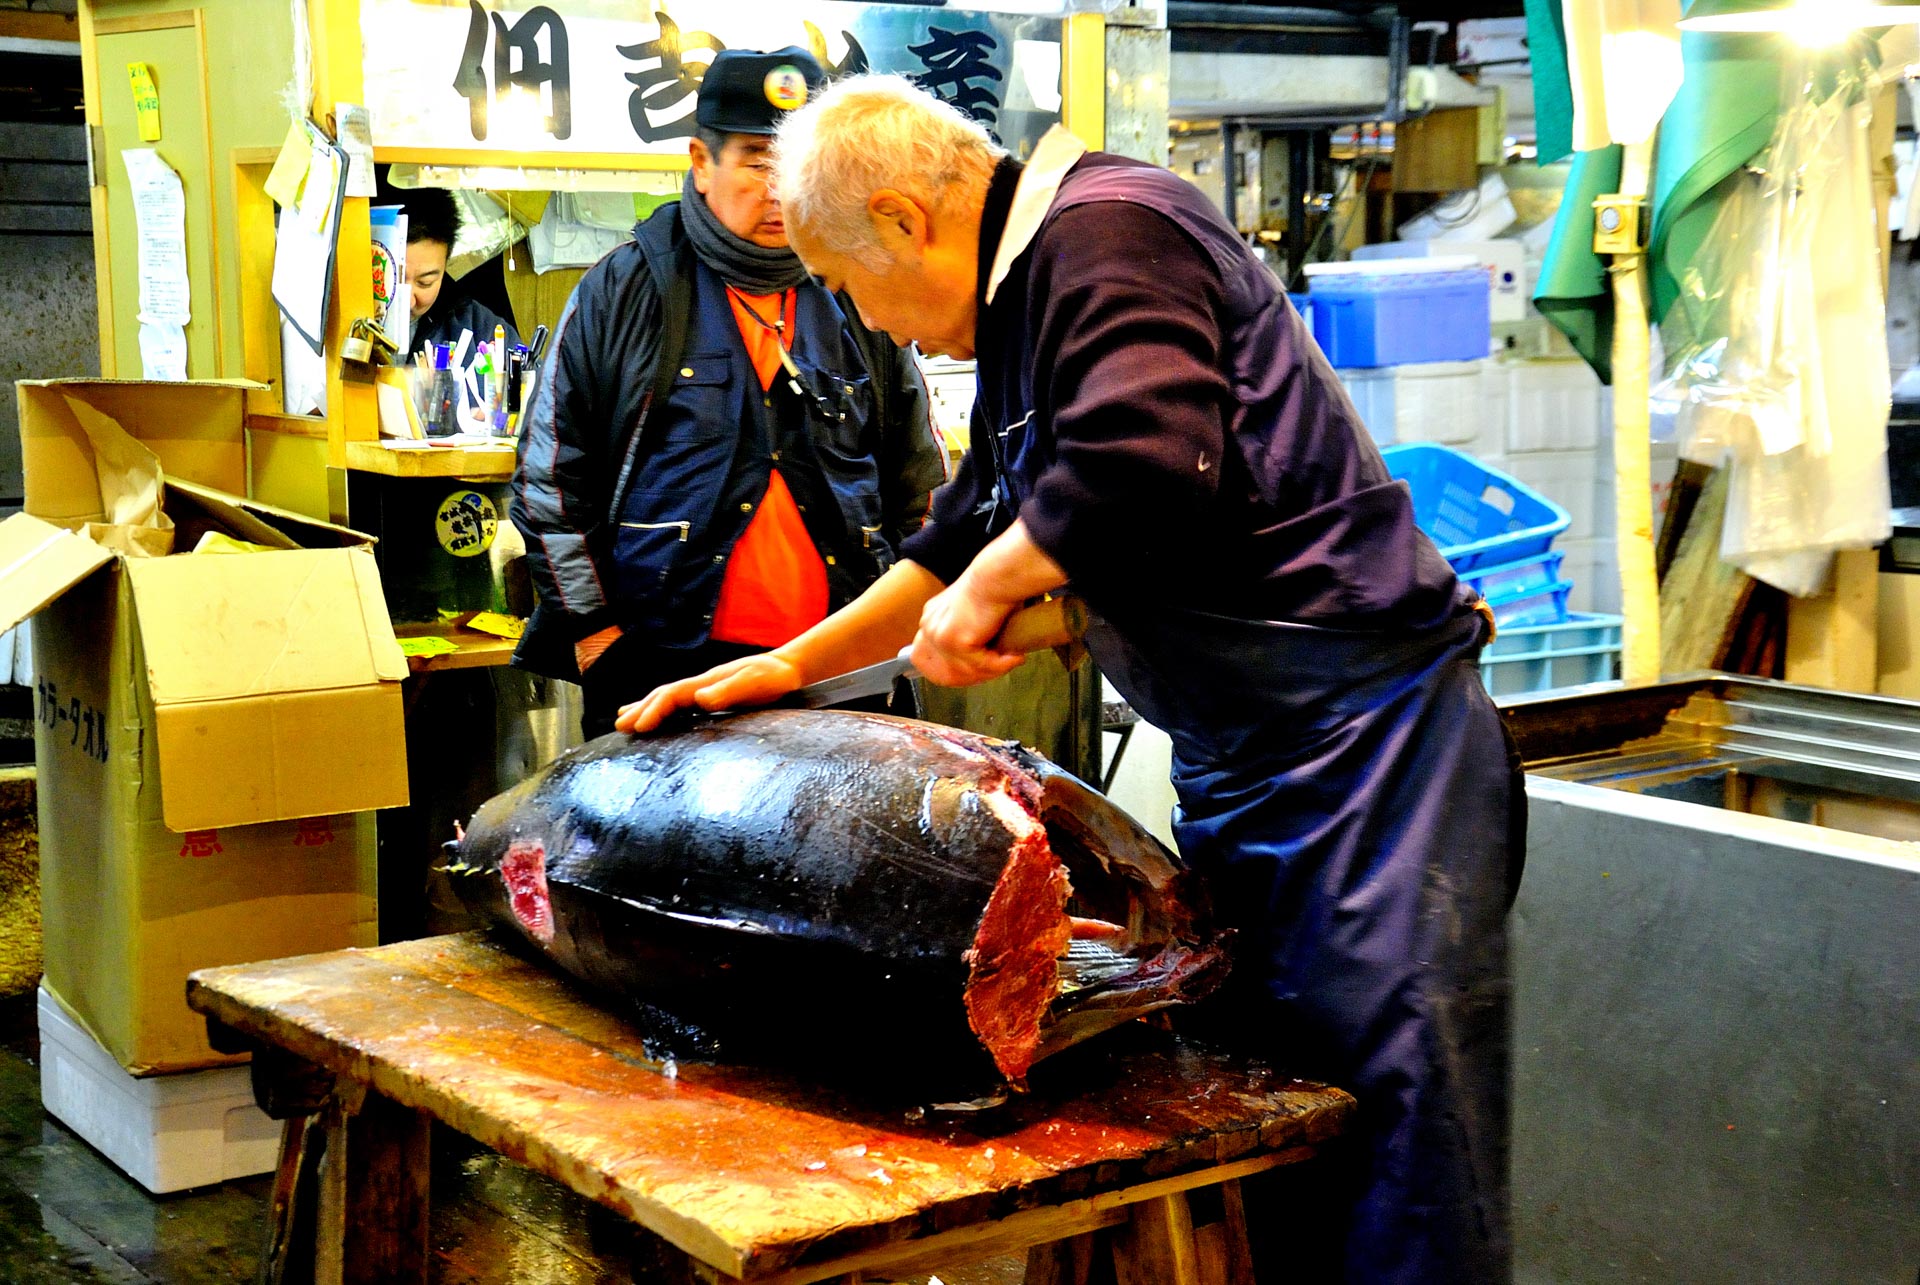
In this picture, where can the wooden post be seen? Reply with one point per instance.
(373, 1195)
(1632, 468)
(1155, 1247)
(1061, 1262)
(1833, 638)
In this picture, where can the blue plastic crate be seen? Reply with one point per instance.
(1478, 516)
(1388, 318)
(1527, 592)
(1584, 648)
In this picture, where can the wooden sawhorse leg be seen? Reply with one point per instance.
(371, 1227)
(1157, 1245)
(350, 1195)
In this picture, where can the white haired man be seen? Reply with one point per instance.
(1155, 427)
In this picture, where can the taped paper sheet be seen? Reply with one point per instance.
(160, 215)
(163, 351)
(356, 140)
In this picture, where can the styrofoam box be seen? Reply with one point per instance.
(1594, 568)
(1581, 482)
(1433, 401)
(168, 1132)
(1553, 405)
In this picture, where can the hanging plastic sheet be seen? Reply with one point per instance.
(1779, 335)
(573, 233)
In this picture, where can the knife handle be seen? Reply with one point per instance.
(1055, 622)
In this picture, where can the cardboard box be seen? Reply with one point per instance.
(211, 729)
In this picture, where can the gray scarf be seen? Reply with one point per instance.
(755, 269)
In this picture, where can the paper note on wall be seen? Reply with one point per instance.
(160, 215)
(356, 140)
(163, 351)
(146, 100)
(290, 167)
(166, 301)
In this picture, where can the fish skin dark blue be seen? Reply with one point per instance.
(814, 884)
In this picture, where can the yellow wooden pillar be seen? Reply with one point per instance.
(1632, 469)
(1083, 78)
(353, 411)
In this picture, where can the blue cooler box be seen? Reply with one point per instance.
(1396, 311)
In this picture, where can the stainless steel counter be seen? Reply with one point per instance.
(1717, 1023)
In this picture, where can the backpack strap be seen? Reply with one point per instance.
(669, 258)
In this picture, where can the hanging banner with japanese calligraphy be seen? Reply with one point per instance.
(574, 78)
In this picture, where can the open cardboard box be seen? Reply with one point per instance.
(212, 729)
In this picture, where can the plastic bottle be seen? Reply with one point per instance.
(443, 397)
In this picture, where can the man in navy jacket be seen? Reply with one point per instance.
(1155, 427)
(719, 453)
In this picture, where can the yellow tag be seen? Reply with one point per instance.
(492, 622)
(431, 645)
(146, 100)
(290, 169)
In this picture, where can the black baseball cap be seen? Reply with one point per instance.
(745, 91)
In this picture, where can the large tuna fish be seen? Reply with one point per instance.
(825, 882)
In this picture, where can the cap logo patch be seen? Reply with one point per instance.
(786, 87)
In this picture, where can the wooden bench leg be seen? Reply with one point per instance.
(373, 1195)
(288, 1258)
(1155, 1246)
(1224, 1255)
(1061, 1262)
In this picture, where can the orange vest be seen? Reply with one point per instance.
(775, 585)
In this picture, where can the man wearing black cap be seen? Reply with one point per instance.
(719, 453)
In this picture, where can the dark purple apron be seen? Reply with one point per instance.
(1353, 802)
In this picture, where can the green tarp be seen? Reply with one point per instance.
(1574, 292)
(1721, 118)
(1552, 87)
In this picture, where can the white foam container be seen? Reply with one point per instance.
(1435, 401)
(167, 1132)
(1554, 406)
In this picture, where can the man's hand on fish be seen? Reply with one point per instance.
(751, 680)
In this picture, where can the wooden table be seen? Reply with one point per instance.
(750, 1174)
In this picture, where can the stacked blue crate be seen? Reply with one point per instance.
(1583, 648)
(1498, 535)
(1495, 532)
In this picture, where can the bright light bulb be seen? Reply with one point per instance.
(1813, 23)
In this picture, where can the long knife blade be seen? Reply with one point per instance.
(873, 680)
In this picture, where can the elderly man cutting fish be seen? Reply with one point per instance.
(1155, 427)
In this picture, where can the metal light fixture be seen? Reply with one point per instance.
(1813, 21)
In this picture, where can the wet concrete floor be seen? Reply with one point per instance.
(66, 1214)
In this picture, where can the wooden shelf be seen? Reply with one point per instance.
(465, 463)
(474, 650)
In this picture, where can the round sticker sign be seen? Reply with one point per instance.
(465, 524)
(786, 87)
